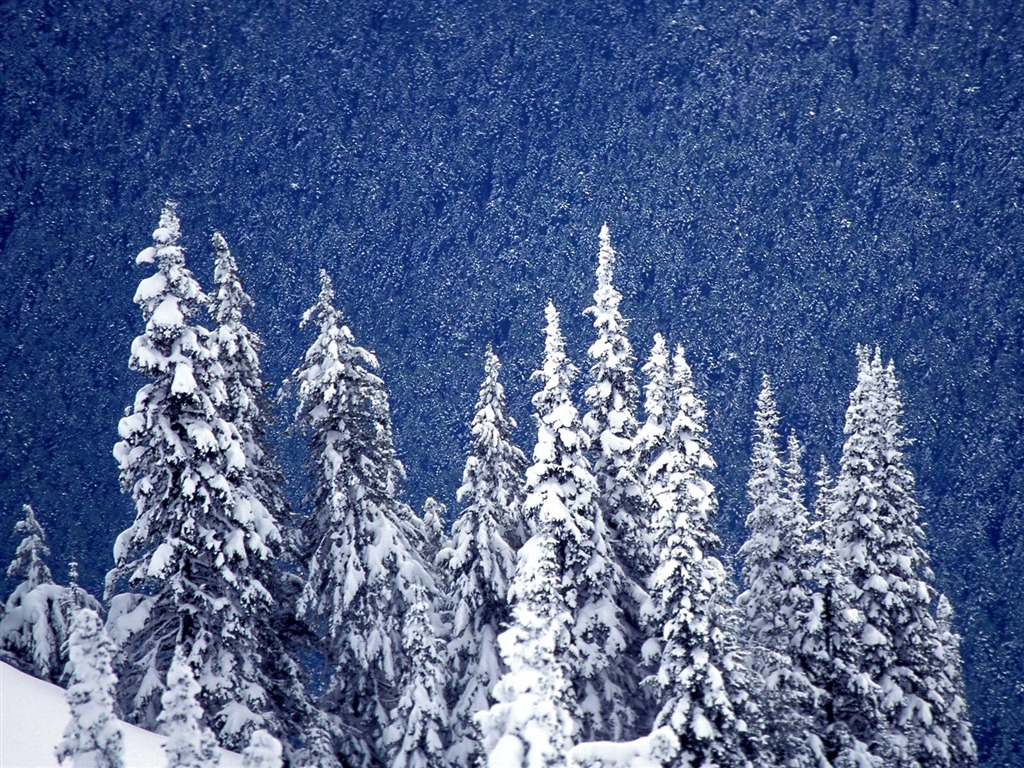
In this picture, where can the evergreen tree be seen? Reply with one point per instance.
(237, 348)
(949, 699)
(480, 563)
(416, 735)
(653, 435)
(181, 717)
(29, 563)
(611, 428)
(93, 738)
(532, 723)
(433, 528)
(264, 751)
(883, 637)
(560, 486)
(706, 691)
(778, 606)
(200, 525)
(37, 615)
(364, 542)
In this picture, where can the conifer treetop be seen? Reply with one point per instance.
(29, 563)
(230, 300)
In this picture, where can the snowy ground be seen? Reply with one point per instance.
(32, 719)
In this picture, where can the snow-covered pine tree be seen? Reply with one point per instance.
(706, 691)
(882, 637)
(416, 736)
(364, 542)
(949, 700)
(611, 428)
(533, 721)
(778, 607)
(264, 751)
(433, 529)
(480, 563)
(181, 716)
(93, 738)
(199, 526)
(653, 435)
(37, 615)
(561, 488)
(237, 348)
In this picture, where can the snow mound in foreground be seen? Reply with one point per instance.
(33, 714)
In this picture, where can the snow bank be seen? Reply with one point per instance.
(33, 714)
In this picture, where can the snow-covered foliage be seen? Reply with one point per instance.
(706, 692)
(949, 700)
(37, 615)
(238, 351)
(181, 717)
(533, 721)
(610, 425)
(417, 734)
(561, 490)
(481, 562)
(779, 620)
(435, 539)
(656, 750)
(264, 751)
(887, 677)
(202, 534)
(93, 738)
(364, 543)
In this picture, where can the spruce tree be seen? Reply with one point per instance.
(364, 543)
(778, 606)
(263, 751)
(706, 692)
(883, 636)
(948, 698)
(653, 435)
(200, 525)
(610, 425)
(37, 615)
(481, 561)
(560, 485)
(416, 736)
(93, 738)
(181, 715)
(433, 529)
(533, 720)
(237, 348)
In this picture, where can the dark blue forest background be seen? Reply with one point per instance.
(782, 182)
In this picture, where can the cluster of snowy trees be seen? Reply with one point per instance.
(579, 613)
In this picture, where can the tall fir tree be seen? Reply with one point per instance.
(658, 407)
(883, 638)
(237, 348)
(560, 487)
(199, 526)
(481, 562)
(417, 733)
(533, 720)
(364, 543)
(93, 738)
(611, 427)
(705, 689)
(778, 606)
(435, 539)
(949, 698)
